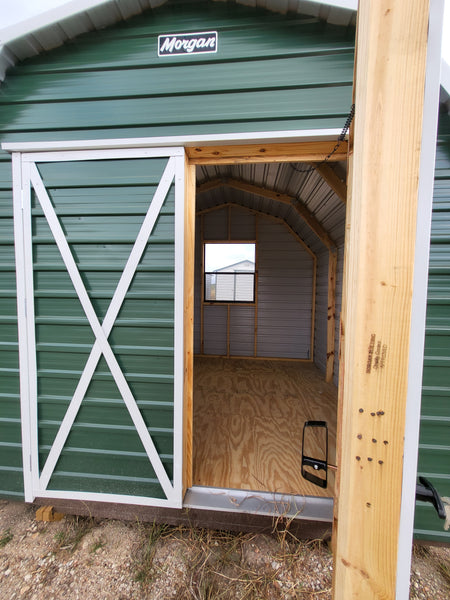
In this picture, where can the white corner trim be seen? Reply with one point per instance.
(419, 300)
(445, 75)
(258, 137)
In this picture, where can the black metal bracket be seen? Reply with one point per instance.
(316, 464)
(426, 492)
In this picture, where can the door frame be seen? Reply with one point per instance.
(319, 145)
(25, 177)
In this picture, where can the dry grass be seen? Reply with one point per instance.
(220, 565)
(5, 537)
(75, 528)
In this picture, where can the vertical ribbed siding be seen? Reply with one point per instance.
(285, 281)
(320, 330)
(271, 73)
(339, 281)
(434, 443)
(284, 291)
(198, 286)
(11, 478)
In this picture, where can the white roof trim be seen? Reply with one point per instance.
(210, 139)
(74, 7)
(49, 17)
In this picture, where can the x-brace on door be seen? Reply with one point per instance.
(99, 252)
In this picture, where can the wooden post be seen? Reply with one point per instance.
(189, 258)
(202, 299)
(331, 316)
(381, 226)
(330, 176)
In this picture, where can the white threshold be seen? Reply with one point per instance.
(310, 508)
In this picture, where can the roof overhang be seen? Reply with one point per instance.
(54, 27)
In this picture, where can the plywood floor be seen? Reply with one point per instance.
(248, 422)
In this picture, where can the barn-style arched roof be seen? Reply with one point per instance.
(53, 28)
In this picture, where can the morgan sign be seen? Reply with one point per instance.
(174, 44)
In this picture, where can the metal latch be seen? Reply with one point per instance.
(315, 463)
(426, 492)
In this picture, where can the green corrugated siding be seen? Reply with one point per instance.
(272, 72)
(434, 450)
(11, 480)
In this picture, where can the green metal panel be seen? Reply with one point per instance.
(271, 72)
(11, 479)
(434, 448)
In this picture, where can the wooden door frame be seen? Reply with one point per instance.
(226, 154)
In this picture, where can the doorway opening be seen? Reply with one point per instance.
(265, 324)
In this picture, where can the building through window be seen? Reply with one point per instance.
(229, 272)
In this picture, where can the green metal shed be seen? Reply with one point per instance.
(96, 127)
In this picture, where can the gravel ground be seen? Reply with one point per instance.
(81, 558)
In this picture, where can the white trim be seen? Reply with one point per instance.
(101, 345)
(31, 335)
(101, 154)
(22, 325)
(257, 137)
(100, 497)
(419, 299)
(445, 76)
(179, 327)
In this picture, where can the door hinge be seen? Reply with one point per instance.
(31, 467)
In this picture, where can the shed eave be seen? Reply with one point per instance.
(55, 27)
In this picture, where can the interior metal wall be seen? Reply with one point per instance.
(284, 291)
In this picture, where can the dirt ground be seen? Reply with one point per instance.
(82, 558)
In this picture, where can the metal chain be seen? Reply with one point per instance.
(340, 139)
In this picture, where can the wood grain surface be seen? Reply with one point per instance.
(248, 422)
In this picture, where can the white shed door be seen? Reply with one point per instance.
(99, 251)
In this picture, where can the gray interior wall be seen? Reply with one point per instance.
(339, 282)
(284, 290)
(285, 280)
(320, 329)
(197, 286)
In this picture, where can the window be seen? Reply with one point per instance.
(229, 272)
